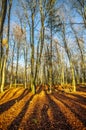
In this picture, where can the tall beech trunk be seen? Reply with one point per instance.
(32, 56)
(41, 40)
(7, 48)
(50, 55)
(69, 57)
(11, 79)
(2, 19)
(25, 71)
(17, 66)
(82, 56)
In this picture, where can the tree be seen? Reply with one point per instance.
(70, 58)
(42, 5)
(13, 50)
(2, 19)
(53, 24)
(6, 43)
(80, 6)
(19, 37)
(78, 41)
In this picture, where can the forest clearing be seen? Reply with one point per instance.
(21, 110)
(42, 64)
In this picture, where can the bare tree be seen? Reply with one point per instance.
(81, 53)
(7, 48)
(70, 58)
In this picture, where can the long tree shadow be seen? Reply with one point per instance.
(60, 119)
(81, 89)
(7, 105)
(45, 121)
(39, 120)
(39, 89)
(80, 99)
(73, 100)
(83, 120)
(15, 93)
(7, 93)
(17, 121)
(32, 122)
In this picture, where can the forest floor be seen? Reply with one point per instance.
(21, 110)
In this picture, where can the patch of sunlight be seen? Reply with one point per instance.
(81, 93)
(72, 96)
(42, 93)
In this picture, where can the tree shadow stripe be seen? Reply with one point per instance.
(59, 117)
(16, 122)
(71, 110)
(7, 105)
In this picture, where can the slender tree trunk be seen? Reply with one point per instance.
(62, 75)
(38, 63)
(17, 65)
(32, 57)
(73, 77)
(50, 55)
(82, 56)
(3, 74)
(11, 79)
(77, 76)
(2, 19)
(69, 57)
(84, 14)
(25, 59)
(7, 49)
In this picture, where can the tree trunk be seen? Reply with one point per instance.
(73, 78)
(82, 56)
(69, 57)
(17, 64)
(50, 55)
(38, 63)
(32, 57)
(62, 75)
(7, 49)
(3, 74)
(25, 59)
(2, 19)
(11, 79)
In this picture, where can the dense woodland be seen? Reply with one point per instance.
(42, 43)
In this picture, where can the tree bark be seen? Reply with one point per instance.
(2, 19)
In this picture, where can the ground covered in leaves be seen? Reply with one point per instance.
(21, 110)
